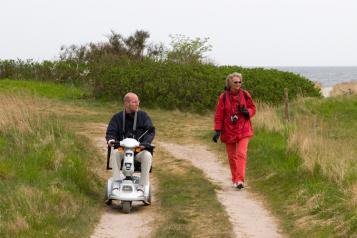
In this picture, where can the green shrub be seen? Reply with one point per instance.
(164, 84)
(195, 86)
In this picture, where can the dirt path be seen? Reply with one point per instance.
(248, 216)
(114, 223)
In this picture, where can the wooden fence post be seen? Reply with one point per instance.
(286, 103)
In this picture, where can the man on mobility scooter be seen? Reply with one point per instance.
(129, 136)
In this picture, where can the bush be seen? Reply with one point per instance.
(163, 84)
(195, 86)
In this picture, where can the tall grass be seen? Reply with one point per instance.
(267, 117)
(308, 166)
(323, 133)
(344, 89)
(322, 143)
(46, 184)
(311, 140)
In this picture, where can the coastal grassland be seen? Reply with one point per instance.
(46, 184)
(189, 206)
(304, 169)
(324, 134)
(313, 193)
(307, 167)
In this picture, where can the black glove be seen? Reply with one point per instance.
(216, 136)
(245, 112)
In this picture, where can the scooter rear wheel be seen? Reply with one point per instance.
(106, 198)
(126, 206)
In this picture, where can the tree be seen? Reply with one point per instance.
(157, 52)
(186, 50)
(136, 43)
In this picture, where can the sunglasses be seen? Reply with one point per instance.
(237, 82)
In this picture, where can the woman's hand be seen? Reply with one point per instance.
(216, 135)
(245, 112)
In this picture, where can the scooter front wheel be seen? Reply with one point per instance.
(108, 202)
(126, 206)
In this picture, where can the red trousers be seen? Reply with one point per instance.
(237, 157)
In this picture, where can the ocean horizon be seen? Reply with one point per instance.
(327, 76)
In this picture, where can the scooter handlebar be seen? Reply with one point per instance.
(115, 143)
(147, 146)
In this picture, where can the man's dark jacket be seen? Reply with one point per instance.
(143, 123)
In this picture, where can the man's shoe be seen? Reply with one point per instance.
(141, 189)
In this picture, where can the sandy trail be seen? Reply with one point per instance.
(247, 215)
(115, 223)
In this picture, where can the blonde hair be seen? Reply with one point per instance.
(230, 77)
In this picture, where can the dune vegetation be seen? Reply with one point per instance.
(304, 169)
(64, 174)
(344, 89)
(46, 183)
(307, 165)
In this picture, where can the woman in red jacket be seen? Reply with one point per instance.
(232, 123)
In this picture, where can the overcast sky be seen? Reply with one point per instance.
(241, 32)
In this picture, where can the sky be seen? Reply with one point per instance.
(241, 32)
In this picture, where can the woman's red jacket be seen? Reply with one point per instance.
(227, 107)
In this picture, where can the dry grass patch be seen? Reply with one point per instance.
(306, 217)
(19, 114)
(166, 161)
(343, 89)
(30, 199)
(18, 225)
(268, 118)
(310, 138)
(353, 192)
(181, 127)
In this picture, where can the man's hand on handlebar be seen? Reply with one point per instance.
(110, 142)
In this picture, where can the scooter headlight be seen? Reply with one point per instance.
(127, 188)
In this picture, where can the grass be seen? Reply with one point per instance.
(325, 136)
(307, 203)
(189, 206)
(305, 170)
(46, 183)
(42, 89)
(343, 89)
(188, 201)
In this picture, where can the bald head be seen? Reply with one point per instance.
(131, 102)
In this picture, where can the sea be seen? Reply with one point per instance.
(327, 76)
